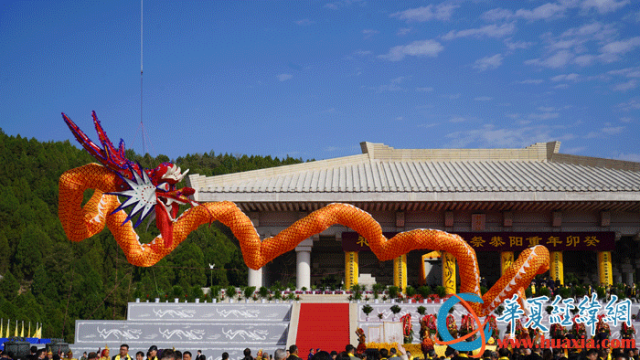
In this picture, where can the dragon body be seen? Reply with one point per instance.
(155, 191)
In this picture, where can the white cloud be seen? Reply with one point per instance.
(629, 85)
(428, 48)
(494, 137)
(629, 105)
(392, 86)
(566, 77)
(531, 81)
(427, 126)
(453, 96)
(518, 44)
(488, 62)
(584, 60)
(605, 131)
(632, 72)
(492, 31)
(369, 32)
(362, 52)
(497, 14)
(621, 47)
(483, 98)
(399, 118)
(544, 116)
(284, 77)
(558, 60)
(572, 46)
(403, 31)
(337, 5)
(424, 89)
(441, 11)
(457, 119)
(604, 6)
(625, 119)
(304, 22)
(546, 108)
(612, 130)
(561, 86)
(543, 12)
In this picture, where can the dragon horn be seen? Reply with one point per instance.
(112, 158)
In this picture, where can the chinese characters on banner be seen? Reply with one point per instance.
(511, 241)
(588, 308)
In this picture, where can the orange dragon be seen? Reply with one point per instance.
(154, 193)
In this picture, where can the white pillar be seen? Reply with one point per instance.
(255, 278)
(303, 264)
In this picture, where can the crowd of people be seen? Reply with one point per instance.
(349, 353)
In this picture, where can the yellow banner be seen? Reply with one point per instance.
(400, 272)
(350, 269)
(557, 267)
(604, 268)
(448, 272)
(506, 259)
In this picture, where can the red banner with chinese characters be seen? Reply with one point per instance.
(512, 241)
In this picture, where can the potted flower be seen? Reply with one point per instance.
(277, 296)
(367, 309)
(380, 316)
(249, 292)
(421, 310)
(263, 292)
(297, 298)
(255, 297)
(291, 296)
(377, 289)
(395, 309)
(366, 298)
(393, 292)
(411, 292)
(270, 298)
(384, 298)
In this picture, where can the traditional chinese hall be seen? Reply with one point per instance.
(585, 210)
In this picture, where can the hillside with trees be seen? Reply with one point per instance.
(48, 279)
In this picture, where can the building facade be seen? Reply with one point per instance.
(585, 210)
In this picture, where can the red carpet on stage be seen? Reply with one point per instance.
(324, 326)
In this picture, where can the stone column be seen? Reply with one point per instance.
(255, 278)
(350, 269)
(303, 264)
(400, 272)
(448, 272)
(605, 271)
(557, 267)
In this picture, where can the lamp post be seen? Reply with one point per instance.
(211, 266)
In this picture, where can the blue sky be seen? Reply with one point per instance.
(313, 79)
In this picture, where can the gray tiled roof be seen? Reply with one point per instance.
(440, 176)
(381, 169)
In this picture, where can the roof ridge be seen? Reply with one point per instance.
(538, 151)
(596, 162)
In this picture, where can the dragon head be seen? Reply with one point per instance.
(151, 192)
